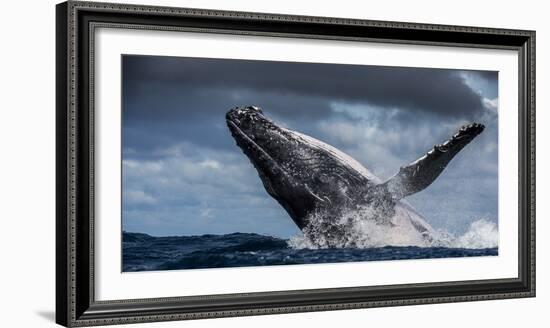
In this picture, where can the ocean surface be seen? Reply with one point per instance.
(142, 252)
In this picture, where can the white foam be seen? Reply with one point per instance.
(368, 234)
(481, 234)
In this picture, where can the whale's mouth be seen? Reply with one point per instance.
(261, 160)
(246, 143)
(242, 122)
(254, 151)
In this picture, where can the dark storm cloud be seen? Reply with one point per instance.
(161, 114)
(217, 83)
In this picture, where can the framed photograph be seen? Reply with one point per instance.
(215, 163)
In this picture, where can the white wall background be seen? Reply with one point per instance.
(27, 162)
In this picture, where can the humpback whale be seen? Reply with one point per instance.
(326, 192)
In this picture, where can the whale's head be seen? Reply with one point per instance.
(260, 138)
(300, 172)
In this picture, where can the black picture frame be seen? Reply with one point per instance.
(75, 302)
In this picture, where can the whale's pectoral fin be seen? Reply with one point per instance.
(421, 173)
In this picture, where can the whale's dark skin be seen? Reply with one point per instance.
(318, 185)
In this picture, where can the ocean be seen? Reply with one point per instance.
(142, 252)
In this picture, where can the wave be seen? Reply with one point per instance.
(363, 240)
(367, 234)
(142, 252)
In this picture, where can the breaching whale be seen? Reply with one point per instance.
(326, 192)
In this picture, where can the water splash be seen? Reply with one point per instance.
(368, 234)
(481, 234)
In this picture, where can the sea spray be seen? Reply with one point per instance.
(481, 234)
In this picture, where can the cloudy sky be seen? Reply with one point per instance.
(184, 175)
